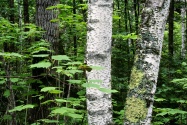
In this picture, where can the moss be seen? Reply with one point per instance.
(135, 110)
(136, 78)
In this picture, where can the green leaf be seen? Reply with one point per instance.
(95, 81)
(159, 99)
(96, 67)
(63, 110)
(6, 93)
(21, 107)
(2, 81)
(7, 117)
(60, 57)
(74, 115)
(75, 81)
(41, 65)
(74, 63)
(47, 102)
(87, 85)
(61, 100)
(41, 55)
(55, 91)
(47, 89)
(107, 90)
(116, 17)
(11, 54)
(14, 79)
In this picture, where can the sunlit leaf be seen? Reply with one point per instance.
(22, 107)
(41, 65)
(47, 89)
(60, 57)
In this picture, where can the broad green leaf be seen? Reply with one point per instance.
(87, 85)
(47, 89)
(159, 99)
(73, 115)
(63, 110)
(74, 71)
(96, 67)
(61, 100)
(116, 17)
(11, 54)
(41, 65)
(55, 91)
(21, 107)
(41, 55)
(107, 90)
(7, 117)
(95, 81)
(73, 63)
(184, 64)
(60, 57)
(14, 79)
(74, 81)
(47, 102)
(6, 93)
(2, 81)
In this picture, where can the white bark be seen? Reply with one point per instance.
(98, 53)
(139, 104)
(183, 27)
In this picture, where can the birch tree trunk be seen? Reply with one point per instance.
(98, 53)
(142, 87)
(183, 28)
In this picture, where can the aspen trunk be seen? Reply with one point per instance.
(98, 53)
(142, 87)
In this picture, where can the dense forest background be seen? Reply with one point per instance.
(42, 68)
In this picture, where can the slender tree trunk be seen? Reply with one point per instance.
(170, 35)
(98, 53)
(43, 20)
(26, 11)
(9, 47)
(136, 4)
(74, 31)
(11, 6)
(183, 28)
(142, 87)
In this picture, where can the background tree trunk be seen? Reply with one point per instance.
(142, 87)
(183, 28)
(98, 53)
(43, 20)
(170, 35)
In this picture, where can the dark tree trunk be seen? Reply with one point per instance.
(51, 35)
(26, 11)
(170, 43)
(11, 6)
(136, 4)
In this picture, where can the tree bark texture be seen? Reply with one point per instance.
(51, 35)
(43, 20)
(98, 53)
(183, 28)
(171, 27)
(142, 87)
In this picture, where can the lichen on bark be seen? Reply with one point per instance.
(136, 78)
(135, 109)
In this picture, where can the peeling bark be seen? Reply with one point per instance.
(99, 104)
(140, 96)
